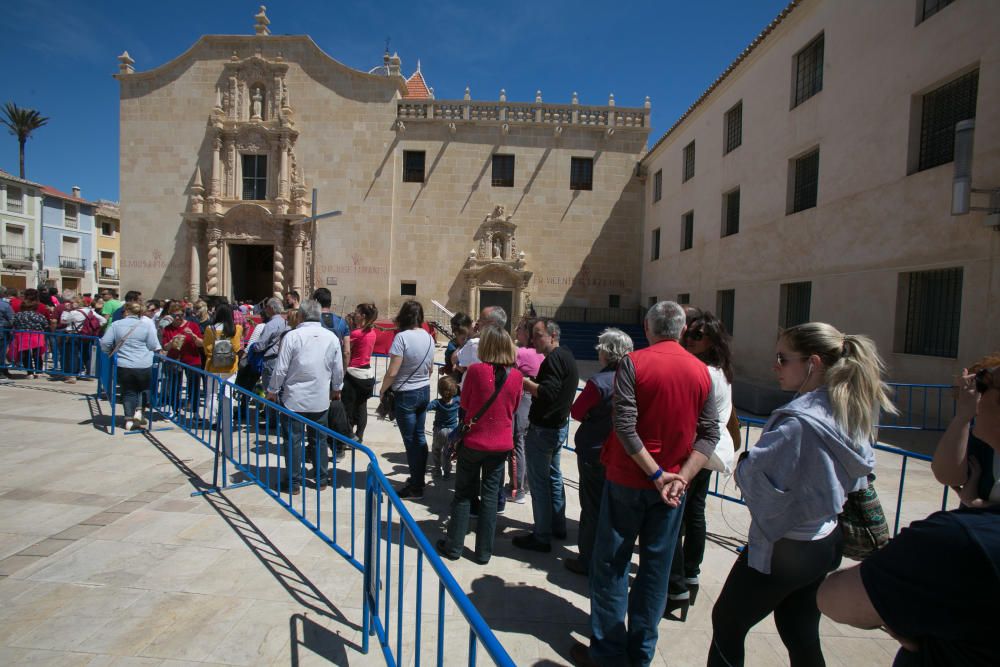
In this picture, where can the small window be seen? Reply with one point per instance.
(652, 301)
(15, 202)
(581, 173)
(72, 212)
(805, 181)
(408, 288)
(658, 185)
(614, 301)
(931, 302)
(808, 72)
(794, 304)
(688, 162)
(734, 128)
(413, 166)
(725, 307)
(254, 177)
(731, 212)
(654, 242)
(107, 229)
(687, 230)
(503, 171)
(929, 8)
(14, 243)
(684, 298)
(941, 110)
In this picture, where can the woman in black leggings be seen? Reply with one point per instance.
(359, 380)
(812, 452)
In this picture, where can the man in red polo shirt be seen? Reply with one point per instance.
(665, 430)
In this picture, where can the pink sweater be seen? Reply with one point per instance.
(494, 432)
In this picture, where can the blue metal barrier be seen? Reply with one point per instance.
(54, 353)
(270, 446)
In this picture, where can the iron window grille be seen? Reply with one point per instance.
(655, 245)
(581, 173)
(688, 162)
(503, 171)
(14, 200)
(808, 71)
(929, 8)
(734, 128)
(933, 312)
(614, 301)
(658, 185)
(687, 231)
(942, 108)
(725, 307)
(806, 184)
(254, 177)
(407, 289)
(413, 166)
(75, 263)
(17, 253)
(731, 213)
(795, 303)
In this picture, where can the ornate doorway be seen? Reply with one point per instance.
(495, 272)
(251, 270)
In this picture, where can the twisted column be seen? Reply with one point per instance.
(214, 250)
(279, 269)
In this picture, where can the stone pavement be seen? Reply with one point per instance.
(106, 559)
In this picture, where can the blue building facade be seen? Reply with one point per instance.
(68, 243)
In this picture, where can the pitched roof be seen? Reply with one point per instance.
(722, 77)
(416, 87)
(11, 177)
(52, 192)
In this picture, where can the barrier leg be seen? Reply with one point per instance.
(223, 434)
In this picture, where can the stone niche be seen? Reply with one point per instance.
(495, 271)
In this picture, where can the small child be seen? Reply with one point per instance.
(445, 420)
(461, 332)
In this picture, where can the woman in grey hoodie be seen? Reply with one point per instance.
(812, 453)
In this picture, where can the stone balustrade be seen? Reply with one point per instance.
(537, 113)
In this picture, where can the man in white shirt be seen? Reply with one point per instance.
(469, 354)
(309, 373)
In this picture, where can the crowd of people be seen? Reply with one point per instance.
(654, 423)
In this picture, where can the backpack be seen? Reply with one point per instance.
(91, 325)
(223, 354)
(336, 324)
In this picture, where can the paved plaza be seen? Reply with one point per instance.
(106, 559)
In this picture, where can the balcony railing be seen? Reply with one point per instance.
(536, 113)
(15, 253)
(72, 263)
(15, 205)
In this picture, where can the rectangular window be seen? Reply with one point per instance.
(108, 265)
(734, 128)
(652, 301)
(794, 306)
(15, 237)
(413, 166)
(688, 162)
(654, 253)
(725, 307)
(581, 173)
(71, 216)
(808, 71)
(15, 202)
(929, 8)
(933, 307)
(684, 298)
(254, 177)
(408, 288)
(687, 230)
(614, 301)
(503, 171)
(107, 229)
(731, 212)
(805, 181)
(941, 109)
(658, 185)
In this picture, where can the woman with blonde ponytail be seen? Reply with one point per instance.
(812, 453)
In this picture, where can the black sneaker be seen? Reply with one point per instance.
(411, 492)
(529, 543)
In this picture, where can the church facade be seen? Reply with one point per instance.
(469, 203)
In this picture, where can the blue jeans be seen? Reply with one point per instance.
(548, 500)
(411, 418)
(298, 454)
(626, 515)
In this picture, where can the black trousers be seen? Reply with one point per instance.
(797, 570)
(690, 549)
(355, 397)
(591, 489)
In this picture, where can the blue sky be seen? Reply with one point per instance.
(64, 54)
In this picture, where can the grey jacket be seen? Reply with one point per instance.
(799, 473)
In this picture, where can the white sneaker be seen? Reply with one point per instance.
(128, 424)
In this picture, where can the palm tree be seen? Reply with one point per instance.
(21, 123)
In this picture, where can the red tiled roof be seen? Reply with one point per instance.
(52, 192)
(416, 87)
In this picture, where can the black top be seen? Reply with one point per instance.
(983, 454)
(557, 380)
(937, 583)
(596, 425)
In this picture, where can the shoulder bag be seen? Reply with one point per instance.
(863, 523)
(459, 432)
(387, 404)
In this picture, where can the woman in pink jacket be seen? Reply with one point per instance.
(484, 449)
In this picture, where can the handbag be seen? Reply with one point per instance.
(862, 523)
(387, 404)
(459, 432)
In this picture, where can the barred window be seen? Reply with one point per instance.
(731, 212)
(941, 109)
(725, 307)
(687, 230)
(413, 166)
(689, 161)
(614, 301)
(795, 301)
(684, 298)
(503, 171)
(581, 173)
(658, 185)
(14, 199)
(734, 128)
(407, 288)
(805, 183)
(808, 71)
(933, 302)
(929, 8)
(654, 242)
(254, 177)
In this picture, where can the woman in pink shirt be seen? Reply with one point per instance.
(528, 362)
(359, 381)
(483, 451)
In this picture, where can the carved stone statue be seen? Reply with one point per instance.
(256, 103)
(497, 248)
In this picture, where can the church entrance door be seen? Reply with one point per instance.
(498, 297)
(251, 272)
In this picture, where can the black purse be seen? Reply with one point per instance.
(387, 404)
(459, 432)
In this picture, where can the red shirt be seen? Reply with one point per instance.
(189, 352)
(494, 432)
(362, 345)
(590, 397)
(15, 304)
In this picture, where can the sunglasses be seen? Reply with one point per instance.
(694, 335)
(781, 359)
(984, 379)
